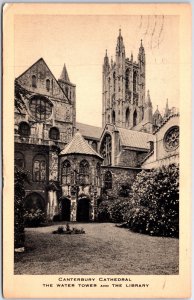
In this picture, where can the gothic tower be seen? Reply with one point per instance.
(70, 91)
(123, 88)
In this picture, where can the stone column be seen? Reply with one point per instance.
(74, 192)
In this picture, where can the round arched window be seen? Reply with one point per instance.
(40, 108)
(171, 138)
(54, 133)
(24, 129)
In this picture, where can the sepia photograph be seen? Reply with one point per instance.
(96, 146)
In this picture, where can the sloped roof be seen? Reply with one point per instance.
(79, 146)
(41, 60)
(135, 139)
(89, 131)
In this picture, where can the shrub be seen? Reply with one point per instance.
(20, 177)
(114, 210)
(155, 200)
(34, 218)
(68, 230)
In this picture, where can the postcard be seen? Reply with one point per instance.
(96, 150)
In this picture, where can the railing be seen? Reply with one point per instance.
(36, 141)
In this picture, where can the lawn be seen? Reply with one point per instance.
(104, 249)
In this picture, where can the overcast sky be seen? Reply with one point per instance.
(80, 42)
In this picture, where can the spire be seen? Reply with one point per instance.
(106, 62)
(120, 45)
(167, 111)
(64, 75)
(141, 55)
(131, 56)
(148, 99)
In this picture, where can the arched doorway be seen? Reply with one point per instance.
(83, 210)
(33, 202)
(65, 209)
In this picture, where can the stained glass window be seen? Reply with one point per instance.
(171, 139)
(40, 108)
(106, 149)
(39, 168)
(84, 172)
(66, 173)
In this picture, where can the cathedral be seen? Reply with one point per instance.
(72, 164)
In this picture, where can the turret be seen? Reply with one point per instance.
(120, 48)
(141, 62)
(157, 118)
(148, 109)
(167, 110)
(106, 65)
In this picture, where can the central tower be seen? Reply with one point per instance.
(123, 95)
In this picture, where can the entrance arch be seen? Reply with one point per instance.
(83, 210)
(65, 209)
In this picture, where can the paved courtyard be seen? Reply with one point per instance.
(104, 249)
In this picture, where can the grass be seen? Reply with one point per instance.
(104, 249)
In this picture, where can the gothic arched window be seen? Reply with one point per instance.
(24, 129)
(98, 174)
(127, 79)
(34, 84)
(19, 159)
(114, 81)
(135, 81)
(135, 118)
(66, 173)
(84, 172)
(113, 117)
(48, 85)
(39, 168)
(108, 180)
(127, 117)
(54, 133)
(106, 149)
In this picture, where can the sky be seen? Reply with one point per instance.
(80, 42)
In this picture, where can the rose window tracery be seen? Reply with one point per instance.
(171, 140)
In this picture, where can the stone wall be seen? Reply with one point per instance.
(120, 176)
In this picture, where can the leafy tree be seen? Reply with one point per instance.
(20, 93)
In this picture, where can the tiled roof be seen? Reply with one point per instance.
(89, 131)
(79, 146)
(165, 121)
(135, 139)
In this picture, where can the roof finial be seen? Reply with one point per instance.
(120, 31)
(106, 53)
(141, 43)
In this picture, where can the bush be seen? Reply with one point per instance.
(114, 210)
(103, 211)
(20, 177)
(155, 200)
(68, 230)
(34, 218)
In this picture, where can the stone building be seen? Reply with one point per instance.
(72, 164)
